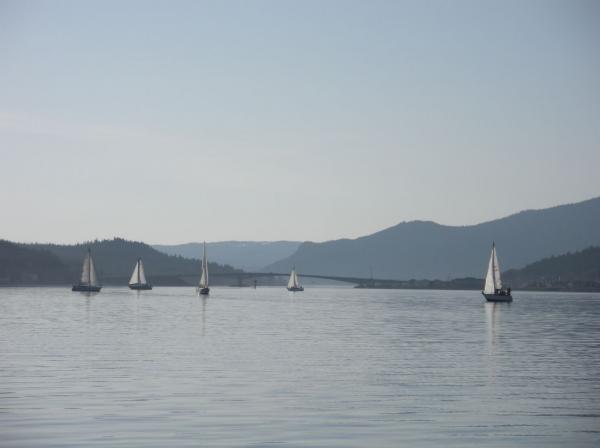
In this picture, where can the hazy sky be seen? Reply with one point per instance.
(182, 121)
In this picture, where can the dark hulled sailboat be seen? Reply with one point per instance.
(293, 282)
(89, 279)
(203, 288)
(138, 278)
(492, 290)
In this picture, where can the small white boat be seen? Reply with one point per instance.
(138, 278)
(293, 282)
(492, 290)
(203, 285)
(89, 279)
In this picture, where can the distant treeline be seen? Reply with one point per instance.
(23, 265)
(577, 271)
(457, 284)
(52, 264)
(114, 260)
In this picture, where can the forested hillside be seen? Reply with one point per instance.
(578, 270)
(114, 260)
(23, 265)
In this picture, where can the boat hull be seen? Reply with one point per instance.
(140, 286)
(299, 288)
(497, 297)
(86, 288)
(203, 291)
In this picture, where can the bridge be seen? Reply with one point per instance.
(358, 281)
(248, 279)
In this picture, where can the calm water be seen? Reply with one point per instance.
(327, 367)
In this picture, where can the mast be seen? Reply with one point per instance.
(90, 266)
(494, 263)
(138, 269)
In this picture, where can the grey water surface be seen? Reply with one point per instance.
(327, 367)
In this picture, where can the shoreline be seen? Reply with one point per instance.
(415, 288)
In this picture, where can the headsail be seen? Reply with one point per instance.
(136, 273)
(492, 278)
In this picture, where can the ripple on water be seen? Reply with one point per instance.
(327, 367)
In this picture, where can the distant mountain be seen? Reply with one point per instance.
(247, 255)
(114, 260)
(20, 265)
(424, 249)
(579, 270)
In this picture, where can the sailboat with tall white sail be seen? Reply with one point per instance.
(203, 285)
(492, 290)
(293, 282)
(89, 279)
(138, 278)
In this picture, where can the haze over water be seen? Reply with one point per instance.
(327, 367)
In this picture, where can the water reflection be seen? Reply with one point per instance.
(88, 303)
(88, 293)
(204, 301)
(492, 317)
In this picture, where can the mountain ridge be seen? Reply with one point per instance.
(426, 249)
(247, 255)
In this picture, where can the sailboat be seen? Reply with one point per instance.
(492, 290)
(138, 278)
(293, 282)
(203, 286)
(89, 279)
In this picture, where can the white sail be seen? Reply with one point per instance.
(85, 272)
(93, 277)
(142, 273)
(136, 277)
(293, 281)
(203, 281)
(492, 278)
(204, 276)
